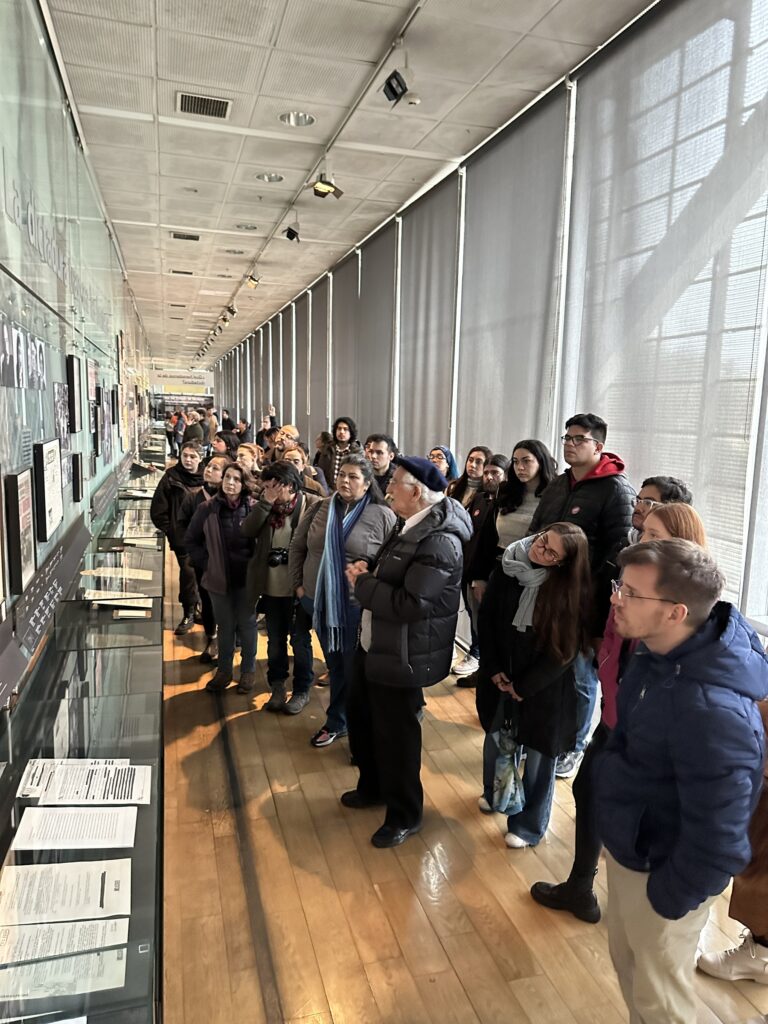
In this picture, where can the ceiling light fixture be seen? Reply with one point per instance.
(252, 281)
(400, 82)
(269, 176)
(232, 310)
(324, 186)
(235, 252)
(247, 227)
(292, 231)
(297, 118)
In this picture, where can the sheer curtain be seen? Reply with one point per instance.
(427, 315)
(665, 311)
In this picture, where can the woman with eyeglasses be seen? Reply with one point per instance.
(576, 894)
(533, 624)
(532, 470)
(444, 460)
(221, 551)
(350, 525)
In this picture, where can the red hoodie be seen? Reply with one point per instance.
(609, 465)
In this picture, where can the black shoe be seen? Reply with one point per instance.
(386, 836)
(357, 801)
(184, 626)
(582, 904)
(211, 652)
(468, 681)
(219, 682)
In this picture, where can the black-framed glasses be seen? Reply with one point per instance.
(622, 595)
(549, 553)
(577, 439)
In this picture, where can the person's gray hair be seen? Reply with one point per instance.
(427, 496)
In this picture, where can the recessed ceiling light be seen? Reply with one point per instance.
(189, 188)
(247, 227)
(235, 252)
(297, 118)
(270, 176)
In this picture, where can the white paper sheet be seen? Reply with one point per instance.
(38, 775)
(139, 542)
(67, 976)
(87, 784)
(22, 943)
(76, 828)
(118, 572)
(42, 893)
(96, 594)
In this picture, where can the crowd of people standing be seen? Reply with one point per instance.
(574, 587)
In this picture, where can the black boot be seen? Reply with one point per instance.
(185, 625)
(577, 897)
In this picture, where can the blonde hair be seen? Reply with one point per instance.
(681, 521)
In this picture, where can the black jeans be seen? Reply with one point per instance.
(209, 619)
(286, 618)
(188, 596)
(587, 844)
(385, 742)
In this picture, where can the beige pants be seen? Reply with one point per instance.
(654, 958)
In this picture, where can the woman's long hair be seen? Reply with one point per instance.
(564, 600)
(512, 491)
(245, 477)
(682, 521)
(458, 487)
(366, 468)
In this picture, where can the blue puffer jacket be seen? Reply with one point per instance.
(682, 772)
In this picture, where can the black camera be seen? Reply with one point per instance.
(277, 556)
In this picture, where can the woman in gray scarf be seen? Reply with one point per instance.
(532, 624)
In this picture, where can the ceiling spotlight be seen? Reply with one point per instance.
(224, 318)
(292, 231)
(297, 118)
(218, 329)
(323, 186)
(252, 281)
(400, 82)
(395, 87)
(232, 310)
(268, 176)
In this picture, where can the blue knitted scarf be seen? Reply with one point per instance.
(331, 614)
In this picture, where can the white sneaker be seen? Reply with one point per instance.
(515, 842)
(466, 666)
(484, 806)
(747, 962)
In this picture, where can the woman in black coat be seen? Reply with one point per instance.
(532, 626)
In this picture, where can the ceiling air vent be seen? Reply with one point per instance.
(186, 273)
(203, 106)
(182, 236)
(175, 317)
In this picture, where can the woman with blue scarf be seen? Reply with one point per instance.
(532, 625)
(350, 525)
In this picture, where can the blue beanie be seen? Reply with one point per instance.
(423, 470)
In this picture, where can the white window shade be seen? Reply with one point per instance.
(318, 371)
(429, 249)
(344, 338)
(667, 254)
(302, 367)
(289, 404)
(509, 296)
(375, 333)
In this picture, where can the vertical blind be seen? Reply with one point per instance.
(301, 418)
(375, 334)
(344, 338)
(318, 373)
(427, 307)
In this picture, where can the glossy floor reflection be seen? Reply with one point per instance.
(278, 909)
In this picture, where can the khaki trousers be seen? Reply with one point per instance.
(654, 957)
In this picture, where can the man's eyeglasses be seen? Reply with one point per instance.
(549, 553)
(577, 439)
(648, 503)
(622, 595)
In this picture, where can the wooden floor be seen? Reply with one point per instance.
(279, 909)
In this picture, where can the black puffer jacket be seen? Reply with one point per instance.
(601, 504)
(175, 485)
(547, 713)
(413, 596)
(218, 547)
(327, 460)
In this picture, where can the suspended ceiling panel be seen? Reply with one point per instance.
(474, 64)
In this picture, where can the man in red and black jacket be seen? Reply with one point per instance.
(594, 494)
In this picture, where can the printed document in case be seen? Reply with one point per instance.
(66, 976)
(21, 943)
(76, 828)
(88, 784)
(80, 891)
(38, 775)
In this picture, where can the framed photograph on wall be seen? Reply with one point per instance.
(97, 429)
(99, 395)
(61, 414)
(19, 336)
(78, 487)
(7, 354)
(75, 395)
(49, 497)
(115, 403)
(93, 376)
(21, 530)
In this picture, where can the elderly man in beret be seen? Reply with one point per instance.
(410, 597)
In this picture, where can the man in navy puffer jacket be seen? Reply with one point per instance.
(682, 772)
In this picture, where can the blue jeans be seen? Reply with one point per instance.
(233, 611)
(585, 681)
(286, 618)
(538, 786)
(340, 667)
